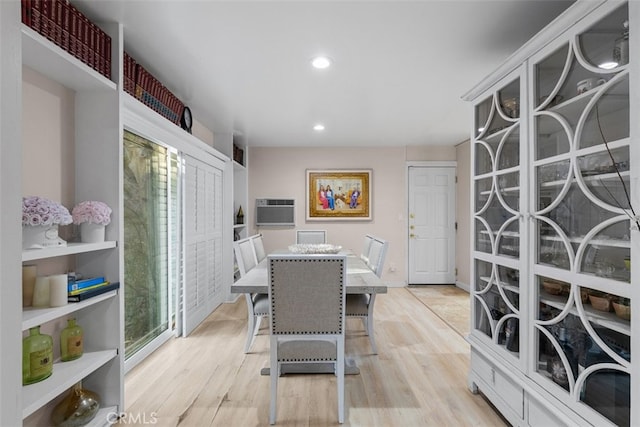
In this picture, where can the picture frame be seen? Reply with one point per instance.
(350, 199)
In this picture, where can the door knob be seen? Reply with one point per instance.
(412, 227)
(412, 235)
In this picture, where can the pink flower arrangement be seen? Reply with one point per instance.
(41, 211)
(92, 212)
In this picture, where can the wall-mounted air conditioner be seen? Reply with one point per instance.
(275, 211)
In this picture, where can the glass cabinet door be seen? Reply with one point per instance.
(497, 170)
(581, 214)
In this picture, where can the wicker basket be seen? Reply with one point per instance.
(600, 303)
(622, 311)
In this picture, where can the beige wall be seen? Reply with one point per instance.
(463, 209)
(280, 173)
(48, 156)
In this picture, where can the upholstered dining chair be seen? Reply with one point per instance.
(361, 305)
(257, 304)
(311, 236)
(306, 310)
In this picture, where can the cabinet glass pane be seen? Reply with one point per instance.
(509, 99)
(484, 190)
(607, 254)
(607, 42)
(608, 119)
(509, 151)
(508, 241)
(548, 73)
(551, 137)
(483, 238)
(509, 188)
(482, 114)
(484, 160)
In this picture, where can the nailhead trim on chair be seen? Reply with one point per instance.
(306, 332)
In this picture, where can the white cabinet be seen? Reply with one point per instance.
(555, 222)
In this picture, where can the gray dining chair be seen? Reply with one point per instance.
(258, 246)
(311, 236)
(306, 310)
(257, 304)
(366, 248)
(361, 305)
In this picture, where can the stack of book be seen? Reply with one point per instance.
(80, 290)
(152, 93)
(67, 27)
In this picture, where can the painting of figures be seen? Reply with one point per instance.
(338, 194)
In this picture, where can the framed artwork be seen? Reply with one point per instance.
(338, 194)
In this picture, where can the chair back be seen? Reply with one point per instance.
(258, 247)
(307, 294)
(311, 236)
(377, 255)
(366, 248)
(245, 255)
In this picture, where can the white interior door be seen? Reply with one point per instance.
(431, 224)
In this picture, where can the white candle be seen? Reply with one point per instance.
(58, 292)
(41, 292)
(28, 282)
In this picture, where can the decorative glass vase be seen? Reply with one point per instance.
(37, 356)
(71, 341)
(78, 408)
(91, 233)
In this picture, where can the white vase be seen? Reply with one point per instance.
(91, 233)
(41, 236)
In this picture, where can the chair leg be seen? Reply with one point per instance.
(340, 369)
(369, 324)
(273, 374)
(251, 323)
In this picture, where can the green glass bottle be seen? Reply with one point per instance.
(37, 356)
(71, 341)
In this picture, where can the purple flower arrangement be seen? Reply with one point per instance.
(92, 212)
(41, 211)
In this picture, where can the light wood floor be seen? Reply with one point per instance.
(417, 379)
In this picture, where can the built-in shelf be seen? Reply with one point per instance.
(37, 316)
(603, 318)
(49, 59)
(70, 249)
(239, 226)
(65, 375)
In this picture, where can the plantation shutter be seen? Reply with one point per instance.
(203, 203)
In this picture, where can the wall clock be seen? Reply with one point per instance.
(186, 121)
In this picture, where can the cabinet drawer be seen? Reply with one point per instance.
(509, 392)
(541, 416)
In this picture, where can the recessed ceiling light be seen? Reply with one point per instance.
(608, 65)
(319, 127)
(321, 62)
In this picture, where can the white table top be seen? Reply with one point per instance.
(360, 278)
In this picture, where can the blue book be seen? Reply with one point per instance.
(85, 283)
(92, 293)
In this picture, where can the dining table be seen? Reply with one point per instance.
(360, 279)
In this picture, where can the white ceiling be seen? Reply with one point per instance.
(399, 68)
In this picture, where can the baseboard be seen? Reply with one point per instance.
(463, 286)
